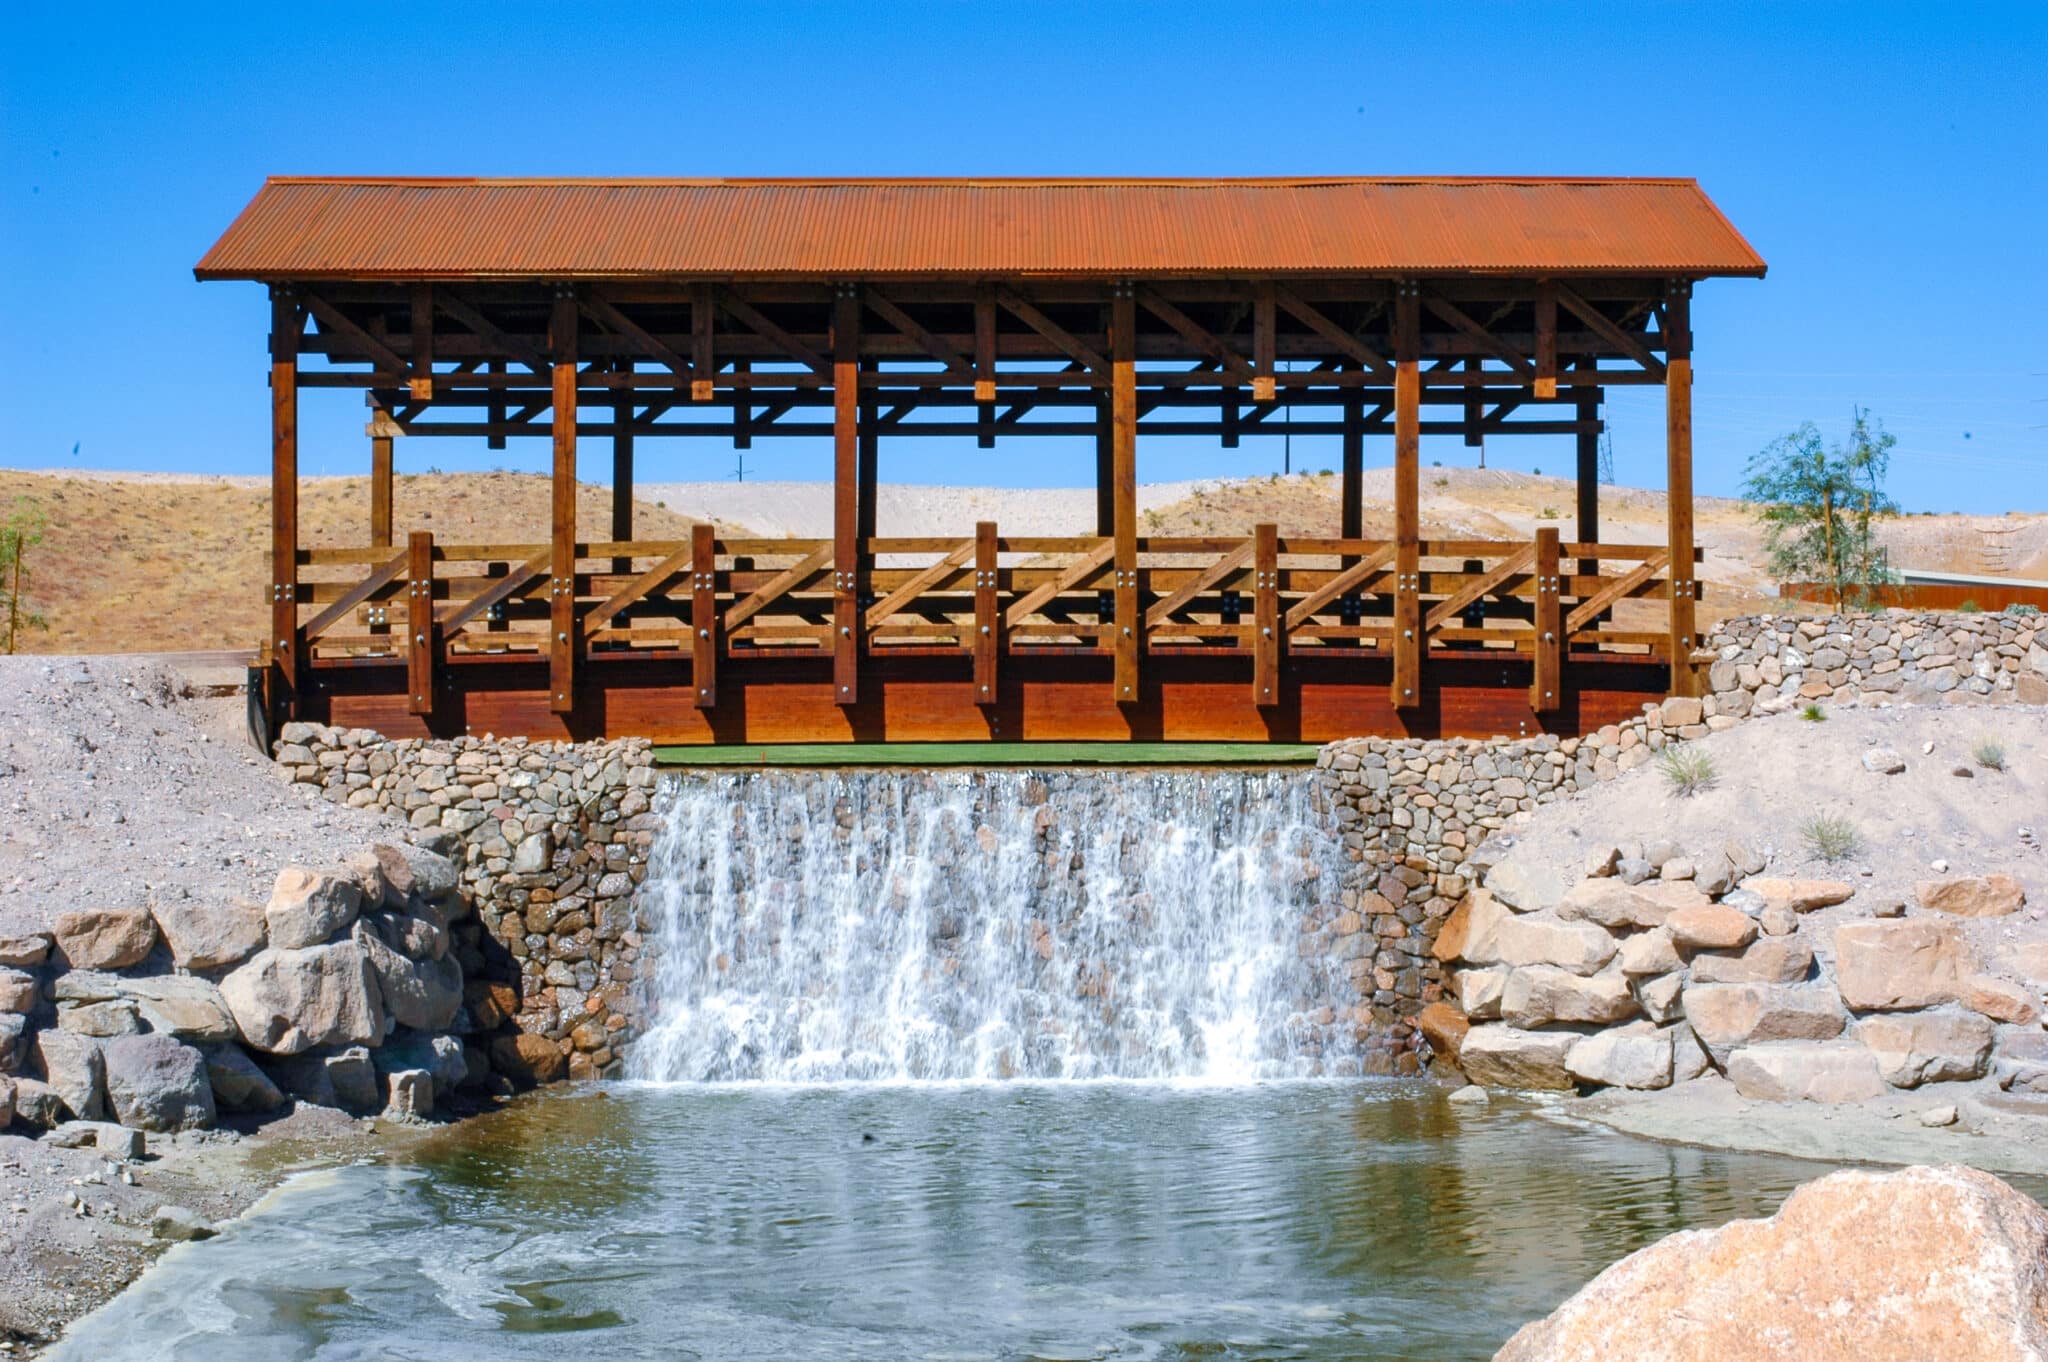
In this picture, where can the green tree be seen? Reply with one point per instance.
(21, 531)
(1820, 506)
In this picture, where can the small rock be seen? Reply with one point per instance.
(1677, 868)
(1471, 1095)
(1936, 1117)
(179, 1224)
(1600, 863)
(1967, 774)
(1972, 896)
(1777, 920)
(105, 938)
(1887, 905)
(1634, 870)
(1710, 926)
(1883, 761)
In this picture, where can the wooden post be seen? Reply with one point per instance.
(622, 470)
(1408, 636)
(988, 617)
(1123, 402)
(1264, 325)
(494, 411)
(846, 557)
(1546, 339)
(1352, 515)
(702, 363)
(1105, 467)
(985, 367)
(423, 641)
(380, 473)
(1685, 589)
(420, 379)
(704, 640)
(1548, 684)
(285, 321)
(870, 456)
(562, 628)
(1586, 408)
(1475, 410)
(1265, 614)
(742, 406)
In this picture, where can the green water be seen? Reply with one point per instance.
(1003, 1221)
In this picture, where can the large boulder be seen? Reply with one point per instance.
(1891, 964)
(1805, 1071)
(308, 906)
(1772, 960)
(1801, 896)
(1500, 1056)
(1444, 1027)
(19, 990)
(24, 952)
(1617, 903)
(36, 1103)
(422, 994)
(238, 1085)
(105, 938)
(2005, 1000)
(2021, 1063)
(1910, 1266)
(286, 1001)
(1710, 927)
(1581, 947)
(1525, 888)
(528, 1058)
(1479, 991)
(205, 934)
(1637, 1056)
(156, 1083)
(179, 1005)
(1536, 995)
(13, 1030)
(439, 1056)
(1972, 895)
(1472, 931)
(1726, 1016)
(1927, 1047)
(75, 1069)
(1650, 952)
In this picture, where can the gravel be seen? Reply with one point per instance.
(118, 788)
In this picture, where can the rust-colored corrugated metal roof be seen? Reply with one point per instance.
(350, 228)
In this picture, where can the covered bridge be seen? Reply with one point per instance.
(988, 311)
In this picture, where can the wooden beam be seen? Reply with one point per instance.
(376, 581)
(333, 320)
(503, 589)
(1685, 590)
(704, 640)
(1045, 326)
(1353, 576)
(1072, 576)
(563, 640)
(1266, 630)
(622, 475)
(1546, 339)
(870, 426)
(423, 638)
(460, 309)
(1486, 340)
(988, 615)
(1478, 586)
(600, 310)
(1265, 330)
(1351, 515)
(985, 347)
(1587, 405)
(420, 378)
(286, 643)
(1123, 420)
(1604, 327)
(933, 344)
(1105, 467)
(1615, 589)
(789, 579)
(703, 313)
(1546, 689)
(1161, 611)
(846, 543)
(639, 588)
(918, 583)
(743, 312)
(381, 428)
(1408, 637)
(1348, 344)
(1195, 333)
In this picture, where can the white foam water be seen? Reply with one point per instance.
(814, 926)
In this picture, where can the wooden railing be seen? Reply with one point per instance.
(991, 596)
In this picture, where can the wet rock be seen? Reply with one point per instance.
(1471, 1095)
(287, 1001)
(528, 1058)
(1445, 1028)
(179, 1224)
(75, 1070)
(1626, 1057)
(1901, 963)
(105, 938)
(1501, 1056)
(1805, 1071)
(1927, 1047)
(1726, 1016)
(156, 1083)
(1954, 1256)
(1537, 995)
(206, 935)
(308, 906)
(1972, 896)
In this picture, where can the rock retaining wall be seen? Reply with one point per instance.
(551, 840)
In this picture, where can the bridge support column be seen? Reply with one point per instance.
(622, 470)
(1409, 640)
(1123, 417)
(562, 626)
(286, 320)
(1685, 589)
(846, 481)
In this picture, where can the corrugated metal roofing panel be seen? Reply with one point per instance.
(306, 228)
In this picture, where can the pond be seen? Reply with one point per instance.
(1077, 1220)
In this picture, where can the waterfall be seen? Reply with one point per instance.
(812, 926)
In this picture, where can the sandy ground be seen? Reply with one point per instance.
(114, 793)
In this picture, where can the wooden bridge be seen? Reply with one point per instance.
(984, 311)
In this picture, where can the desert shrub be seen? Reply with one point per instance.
(2022, 608)
(1547, 513)
(1969, 608)
(1830, 836)
(1990, 753)
(1814, 714)
(1689, 769)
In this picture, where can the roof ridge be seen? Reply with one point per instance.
(968, 181)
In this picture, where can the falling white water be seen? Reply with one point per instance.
(815, 926)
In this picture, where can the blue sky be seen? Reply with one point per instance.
(1889, 161)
